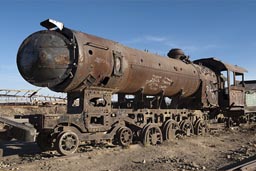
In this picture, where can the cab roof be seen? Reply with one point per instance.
(218, 66)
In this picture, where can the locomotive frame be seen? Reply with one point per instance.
(150, 110)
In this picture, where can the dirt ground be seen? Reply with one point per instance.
(209, 152)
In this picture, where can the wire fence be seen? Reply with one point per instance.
(28, 97)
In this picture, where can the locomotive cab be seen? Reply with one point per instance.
(230, 84)
(233, 90)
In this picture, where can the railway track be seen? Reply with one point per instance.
(248, 164)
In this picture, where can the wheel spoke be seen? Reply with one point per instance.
(187, 127)
(152, 135)
(200, 127)
(170, 129)
(124, 136)
(67, 143)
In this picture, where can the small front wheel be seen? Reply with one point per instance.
(124, 136)
(67, 143)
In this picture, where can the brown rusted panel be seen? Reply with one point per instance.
(209, 95)
(94, 65)
(103, 63)
(217, 65)
(20, 131)
(236, 96)
(138, 70)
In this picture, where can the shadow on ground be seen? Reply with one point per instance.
(15, 147)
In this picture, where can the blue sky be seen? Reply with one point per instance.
(202, 28)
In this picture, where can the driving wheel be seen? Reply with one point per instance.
(152, 135)
(170, 129)
(187, 127)
(200, 127)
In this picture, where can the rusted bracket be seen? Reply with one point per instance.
(50, 24)
(118, 63)
(20, 131)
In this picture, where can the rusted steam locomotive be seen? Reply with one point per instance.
(122, 95)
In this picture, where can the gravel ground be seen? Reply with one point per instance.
(210, 152)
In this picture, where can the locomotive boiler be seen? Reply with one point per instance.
(156, 97)
(69, 61)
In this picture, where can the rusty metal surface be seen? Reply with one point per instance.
(77, 61)
(44, 58)
(209, 92)
(91, 69)
(237, 96)
(108, 64)
(218, 65)
(231, 87)
(19, 130)
(119, 67)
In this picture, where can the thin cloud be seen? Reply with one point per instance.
(192, 47)
(172, 43)
(145, 39)
(161, 45)
(155, 38)
(133, 41)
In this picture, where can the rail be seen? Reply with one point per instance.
(248, 164)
